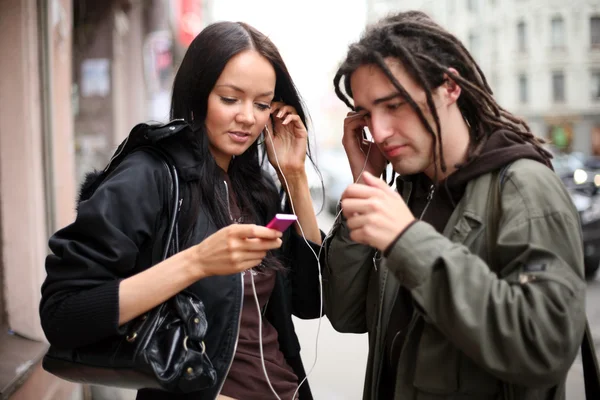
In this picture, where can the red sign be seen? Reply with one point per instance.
(189, 21)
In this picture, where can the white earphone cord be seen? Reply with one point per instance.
(317, 256)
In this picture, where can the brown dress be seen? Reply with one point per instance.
(246, 379)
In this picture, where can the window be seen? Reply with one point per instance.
(595, 86)
(557, 36)
(558, 86)
(596, 140)
(522, 36)
(561, 136)
(523, 89)
(472, 5)
(595, 32)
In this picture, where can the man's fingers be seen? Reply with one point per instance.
(354, 125)
(374, 182)
(351, 207)
(360, 191)
(358, 221)
(359, 235)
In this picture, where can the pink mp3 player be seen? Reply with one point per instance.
(282, 221)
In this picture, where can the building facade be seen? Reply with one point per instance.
(75, 76)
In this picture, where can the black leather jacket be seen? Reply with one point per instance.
(115, 235)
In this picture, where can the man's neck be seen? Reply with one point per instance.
(455, 142)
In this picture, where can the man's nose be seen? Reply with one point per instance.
(380, 128)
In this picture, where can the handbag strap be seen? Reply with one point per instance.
(591, 368)
(171, 243)
(494, 215)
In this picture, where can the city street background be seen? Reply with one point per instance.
(77, 75)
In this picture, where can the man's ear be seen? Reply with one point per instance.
(451, 89)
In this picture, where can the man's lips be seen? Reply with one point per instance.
(394, 150)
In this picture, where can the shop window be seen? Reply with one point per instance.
(596, 140)
(561, 136)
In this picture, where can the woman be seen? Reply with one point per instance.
(233, 88)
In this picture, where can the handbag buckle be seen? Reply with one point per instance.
(201, 345)
(131, 338)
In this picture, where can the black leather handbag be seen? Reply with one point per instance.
(162, 349)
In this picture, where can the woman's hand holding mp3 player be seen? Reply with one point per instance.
(239, 247)
(234, 248)
(282, 221)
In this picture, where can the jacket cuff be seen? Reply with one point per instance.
(412, 257)
(391, 246)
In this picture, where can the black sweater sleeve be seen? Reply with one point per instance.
(306, 299)
(89, 258)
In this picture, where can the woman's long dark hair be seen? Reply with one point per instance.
(200, 69)
(426, 51)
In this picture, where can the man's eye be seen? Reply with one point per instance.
(394, 106)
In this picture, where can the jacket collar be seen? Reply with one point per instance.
(178, 139)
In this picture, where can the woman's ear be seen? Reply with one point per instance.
(269, 125)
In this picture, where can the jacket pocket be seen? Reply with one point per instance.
(441, 369)
(437, 363)
(474, 380)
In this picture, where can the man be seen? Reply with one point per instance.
(471, 283)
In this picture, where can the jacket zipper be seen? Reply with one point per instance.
(377, 256)
(525, 278)
(429, 198)
(237, 334)
(406, 195)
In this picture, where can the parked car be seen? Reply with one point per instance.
(581, 177)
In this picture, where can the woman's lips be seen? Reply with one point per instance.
(239, 137)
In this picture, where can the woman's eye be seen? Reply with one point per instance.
(263, 107)
(228, 100)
